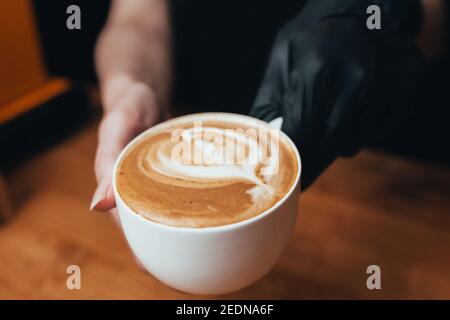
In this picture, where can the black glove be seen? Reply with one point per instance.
(339, 85)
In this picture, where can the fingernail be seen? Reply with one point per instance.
(100, 193)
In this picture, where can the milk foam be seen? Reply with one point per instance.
(186, 175)
(255, 165)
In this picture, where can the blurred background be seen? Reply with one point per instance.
(388, 206)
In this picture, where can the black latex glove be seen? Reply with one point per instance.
(339, 85)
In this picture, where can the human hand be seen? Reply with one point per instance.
(338, 85)
(130, 108)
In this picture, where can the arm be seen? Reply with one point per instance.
(133, 59)
(135, 46)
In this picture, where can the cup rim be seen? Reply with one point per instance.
(220, 228)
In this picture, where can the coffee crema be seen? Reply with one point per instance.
(204, 173)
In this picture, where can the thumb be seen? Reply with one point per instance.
(115, 131)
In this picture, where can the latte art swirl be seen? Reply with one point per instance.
(205, 174)
(200, 156)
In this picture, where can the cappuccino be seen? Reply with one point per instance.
(206, 170)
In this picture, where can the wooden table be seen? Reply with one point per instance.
(372, 209)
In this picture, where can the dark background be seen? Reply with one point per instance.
(221, 49)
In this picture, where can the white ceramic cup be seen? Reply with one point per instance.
(212, 260)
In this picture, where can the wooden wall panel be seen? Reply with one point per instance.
(21, 63)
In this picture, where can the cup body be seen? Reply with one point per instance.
(212, 260)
